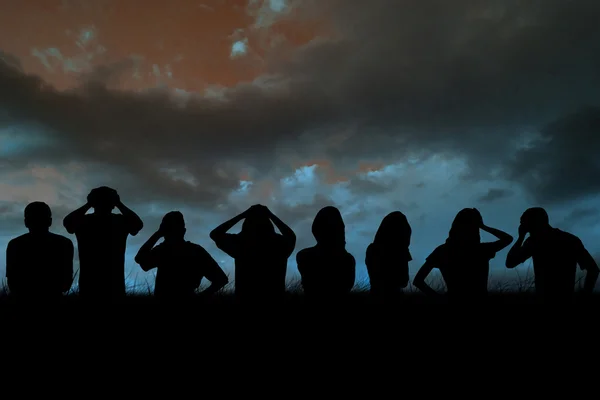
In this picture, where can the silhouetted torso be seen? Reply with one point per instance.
(555, 255)
(39, 265)
(326, 271)
(181, 267)
(260, 265)
(387, 267)
(464, 267)
(102, 240)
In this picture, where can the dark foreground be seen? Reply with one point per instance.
(357, 301)
(341, 332)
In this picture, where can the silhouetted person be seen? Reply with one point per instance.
(102, 239)
(260, 253)
(463, 260)
(39, 264)
(180, 264)
(555, 255)
(388, 256)
(327, 269)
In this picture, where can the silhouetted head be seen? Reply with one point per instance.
(103, 199)
(173, 226)
(38, 216)
(535, 220)
(257, 226)
(328, 227)
(394, 230)
(465, 227)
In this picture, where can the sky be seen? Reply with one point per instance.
(209, 107)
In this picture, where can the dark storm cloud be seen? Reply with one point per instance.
(582, 216)
(495, 194)
(563, 163)
(461, 77)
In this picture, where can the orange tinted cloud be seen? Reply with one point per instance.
(187, 39)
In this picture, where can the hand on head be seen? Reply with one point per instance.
(103, 197)
(479, 217)
(259, 210)
(523, 230)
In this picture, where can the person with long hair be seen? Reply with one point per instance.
(260, 253)
(388, 256)
(463, 260)
(327, 269)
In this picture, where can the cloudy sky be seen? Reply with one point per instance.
(208, 107)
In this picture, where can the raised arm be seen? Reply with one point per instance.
(220, 231)
(212, 272)
(75, 219)
(520, 251)
(586, 262)
(504, 239)
(133, 222)
(144, 257)
(419, 280)
(287, 232)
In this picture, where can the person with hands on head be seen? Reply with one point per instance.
(102, 240)
(181, 265)
(259, 252)
(555, 255)
(463, 260)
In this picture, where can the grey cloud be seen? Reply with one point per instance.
(495, 194)
(582, 216)
(563, 163)
(461, 77)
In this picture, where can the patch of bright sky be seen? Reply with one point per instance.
(180, 174)
(239, 48)
(267, 12)
(16, 139)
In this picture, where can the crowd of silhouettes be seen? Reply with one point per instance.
(39, 264)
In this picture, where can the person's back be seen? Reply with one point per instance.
(39, 264)
(387, 268)
(464, 267)
(259, 252)
(555, 256)
(102, 240)
(181, 265)
(463, 260)
(327, 269)
(260, 265)
(387, 257)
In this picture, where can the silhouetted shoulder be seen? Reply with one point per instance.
(196, 248)
(438, 253)
(370, 250)
(229, 243)
(305, 258)
(302, 255)
(19, 240)
(350, 259)
(567, 237)
(61, 240)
